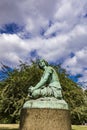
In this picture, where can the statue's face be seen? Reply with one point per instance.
(42, 64)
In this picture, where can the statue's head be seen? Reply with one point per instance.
(42, 63)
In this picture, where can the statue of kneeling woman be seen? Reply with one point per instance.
(49, 85)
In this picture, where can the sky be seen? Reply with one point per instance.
(54, 30)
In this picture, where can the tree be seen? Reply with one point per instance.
(13, 90)
(74, 96)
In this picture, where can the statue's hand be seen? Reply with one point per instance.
(31, 89)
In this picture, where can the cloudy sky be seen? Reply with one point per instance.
(55, 30)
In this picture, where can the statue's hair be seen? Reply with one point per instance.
(42, 60)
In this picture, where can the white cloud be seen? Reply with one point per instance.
(83, 79)
(58, 27)
(67, 21)
(30, 13)
(78, 65)
(13, 48)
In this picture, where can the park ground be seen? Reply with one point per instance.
(16, 126)
(79, 127)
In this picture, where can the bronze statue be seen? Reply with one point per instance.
(49, 85)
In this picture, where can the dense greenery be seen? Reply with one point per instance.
(13, 91)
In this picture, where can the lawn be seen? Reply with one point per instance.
(15, 127)
(76, 127)
(9, 126)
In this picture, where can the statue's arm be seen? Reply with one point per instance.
(43, 79)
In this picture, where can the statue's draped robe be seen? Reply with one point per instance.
(49, 85)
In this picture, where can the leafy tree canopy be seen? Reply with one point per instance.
(13, 91)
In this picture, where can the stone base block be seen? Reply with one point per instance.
(45, 119)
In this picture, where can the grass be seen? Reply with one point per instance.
(9, 126)
(15, 127)
(79, 127)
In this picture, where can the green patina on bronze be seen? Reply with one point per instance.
(49, 85)
(47, 102)
(48, 88)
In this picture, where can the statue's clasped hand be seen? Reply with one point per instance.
(31, 89)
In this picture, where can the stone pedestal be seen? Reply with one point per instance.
(45, 115)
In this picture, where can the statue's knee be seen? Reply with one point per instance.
(35, 94)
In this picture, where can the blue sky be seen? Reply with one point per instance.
(55, 30)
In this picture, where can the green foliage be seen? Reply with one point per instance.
(13, 91)
(75, 97)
